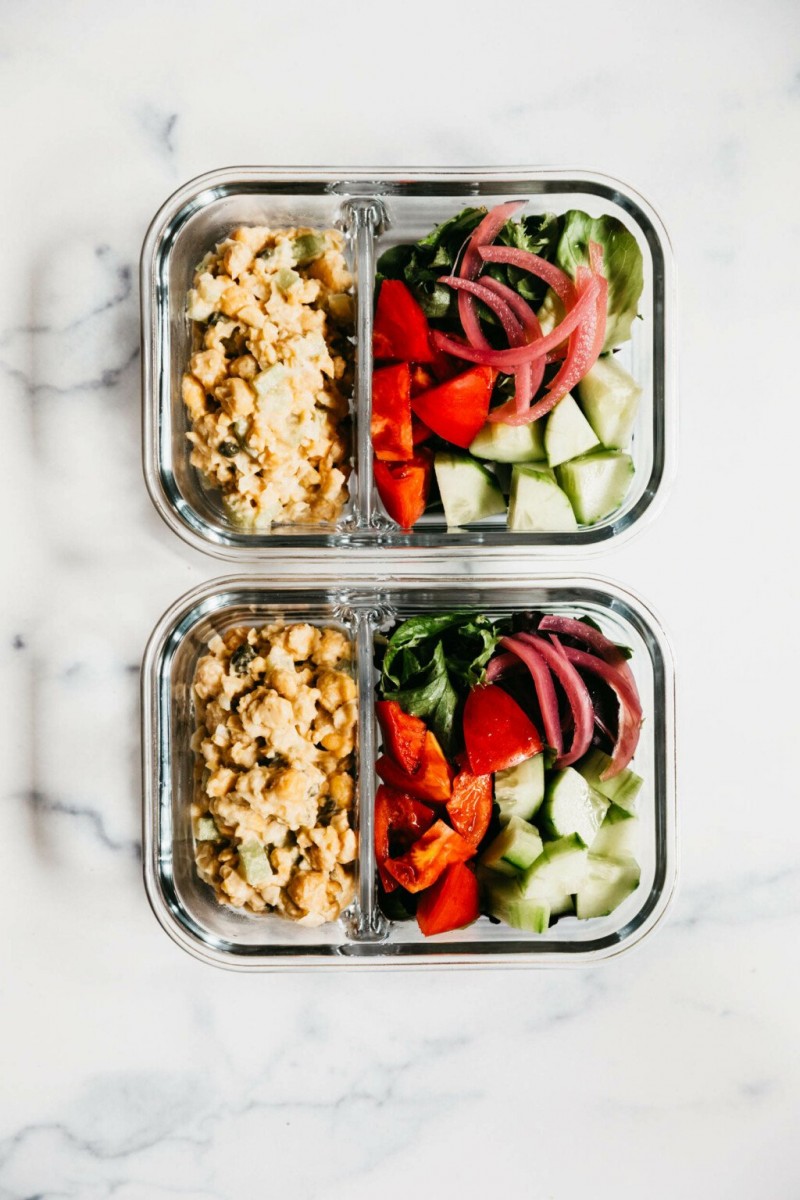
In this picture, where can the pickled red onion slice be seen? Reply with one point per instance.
(593, 638)
(486, 231)
(543, 684)
(577, 694)
(630, 709)
(515, 355)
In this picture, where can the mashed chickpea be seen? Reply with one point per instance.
(273, 814)
(266, 389)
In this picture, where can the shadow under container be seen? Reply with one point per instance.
(224, 936)
(377, 210)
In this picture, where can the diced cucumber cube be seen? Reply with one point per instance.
(537, 503)
(623, 789)
(254, 863)
(618, 836)
(503, 900)
(205, 830)
(509, 443)
(609, 397)
(558, 872)
(514, 848)
(567, 433)
(596, 484)
(469, 492)
(532, 916)
(571, 805)
(608, 881)
(519, 790)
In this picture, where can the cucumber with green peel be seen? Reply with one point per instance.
(469, 492)
(514, 849)
(623, 789)
(567, 434)
(609, 397)
(607, 882)
(503, 900)
(509, 443)
(596, 484)
(537, 504)
(254, 863)
(572, 806)
(519, 790)
(558, 872)
(617, 836)
(531, 916)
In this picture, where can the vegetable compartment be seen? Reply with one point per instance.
(441, 477)
(217, 633)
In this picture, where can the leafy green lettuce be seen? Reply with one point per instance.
(431, 662)
(622, 266)
(419, 264)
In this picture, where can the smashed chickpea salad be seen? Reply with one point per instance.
(274, 744)
(267, 387)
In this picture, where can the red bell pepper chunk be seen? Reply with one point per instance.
(470, 805)
(422, 379)
(422, 865)
(399, 819)
(403, 735)
(497, 733)
(456, 410)
(403, 487)
(431, 781)
(400, 329)
(391, 413)
(451, 903)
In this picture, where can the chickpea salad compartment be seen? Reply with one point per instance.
(260, 746)
(270, 308)
(272, 815)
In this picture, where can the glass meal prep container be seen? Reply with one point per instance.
(377, 209)
(362, 936)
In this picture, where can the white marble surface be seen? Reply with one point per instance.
(130, 1070)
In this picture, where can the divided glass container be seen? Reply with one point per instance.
(377, 209)
(363, 610)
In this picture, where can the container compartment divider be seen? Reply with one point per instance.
(368, 923)
(364, 218)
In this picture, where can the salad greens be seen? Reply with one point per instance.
(430, 662)
(563, 240)
(622, 266)
(487, 324)
(420, 264)
(526, 827)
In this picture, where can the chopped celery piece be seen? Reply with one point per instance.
(205, 829)
(286, 278)
(306, 247)
(254, 863)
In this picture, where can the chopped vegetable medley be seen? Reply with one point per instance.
(483, 331)
(529, 814)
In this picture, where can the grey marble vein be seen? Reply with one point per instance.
(42, 804)
(159, 127)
